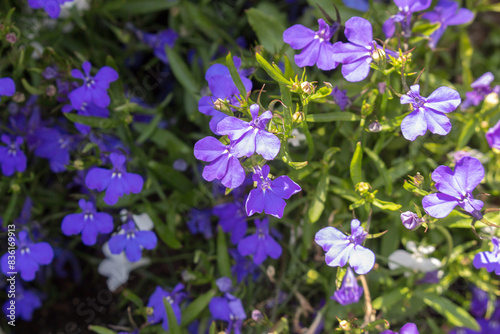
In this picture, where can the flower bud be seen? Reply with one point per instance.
(410, 220)
(298, 117)
(50, 90)
(219, 104)
(307, 87)
(257, 315)
(11, 38)
(18, 97)
(375, 127)
(345, 325)
(362, 187)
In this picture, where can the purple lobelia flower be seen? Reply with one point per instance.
(28, 257)
(223, 90)
(200, 222)
(89, 223)
(243, 266)
(455, 188)
(316, 45)
(269, 195)
(409, 328)
(26, 302)
(481, 89)
(410, 220)
(157, 41)
(132, 240)
(428, 112)
(489, 260)
(156, 302)
(341, 249)
(117, 181)
(350, 292)
(340, 97)
(87, 109)
(361, 5)
(94, 89)
(479, 302)
(232, 219)
(54, 145)
(7, 87)
(356, 56)
(406, 9)
(52, 7)
(224, 164)
(12, 157)
(260, 244)
(446, 13)
(250, 137)
(227, 308)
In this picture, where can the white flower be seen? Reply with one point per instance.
(142, 221)
(117, 268)
(298, 138)
(415, 260)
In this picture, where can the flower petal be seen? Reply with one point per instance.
(439, 205)
(414, 125)
(298, 36)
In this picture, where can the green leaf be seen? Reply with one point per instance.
(333, 116)
(101, 330)
(425, 28)
(269, 30)
(388, 299)
(213, 328)
(32, 90)
(194, 309)
(467, 132)
(386, 205)
(318, 202)
(95, 122)
(456, 315)
(355, 168)
(8, 214)
(271, 71)
(382, 170)
(234, 75)
(165, 234)
(320, 93)
(129, 295)
(137, 7)
(173, 325)
(182, 73)
(466, 52)
(223, 261)
(392, 123)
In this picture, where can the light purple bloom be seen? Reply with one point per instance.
(446, 13)
(94, 89)
(224, 164)
(7, 87)
(455, 188)
(89, 223)
(350, 292)
(361, 5)
(481, 88)
(489, 260)
(12, 157)
(261, 245)
(117, 181)
(409, 328)
(156, 302)
(29, 257)
(269, 195)
(316, 45)
(410, 220)
(428, 112)
(52, 7)
(132, 240)
(250, 137)
(406, 9)
(227, 308)
(341, 249)
(86, 109)
(340, 97)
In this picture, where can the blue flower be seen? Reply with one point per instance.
(199, 222)
(243, 266)
(53, 145)
(26, 302)
(406, 9)
(156, 302)
(489, 260)
(261, 245)
(52, 7)
(409, 328)
(117, 181)
(12, 157)
(157, 41)
(94, 89)
(227, 308)
(89, 223)
(132, 241)
(481, 88)
(361, 5)
(232, 219)
(7, 87)
(340, 97)
(350, 292)
(341, 249)
(29, 256)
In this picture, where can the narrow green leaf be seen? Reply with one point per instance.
(173, 325)
(182, 73)
(32, 90)
(165, 234)
(213, 328)
(137, 7)
(116, 88)
(396, 172)
(95, 122)
(425, 28)
(194, 309)
(456, 315)
(129, 295)
(268, 29)
(321, 93)
(318, 203)
(384, 205)
(223, 262)
(382, 170)
(388, 299)
(150, 129)
(9, 212)
(466, 52)
(271, 71)
(101, 330)
(467, 133)
(333, 116)
(355, 168)
(234, 75)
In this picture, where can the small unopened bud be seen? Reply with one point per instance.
(219, 104)
(362, 187)
(374, 127)
(485, 125)
(306, 87)
(78, 164)
(18, 97)
(149, 310)
(298, 117)
(410, 220)
(418, 179)
(381, 87)
(257, 315)
(51, 90)
(128, 119)
(345, 325)
(270, 273)
(11, 38)
(327, 84)
(295, 87)
(378, 54)
(15, 188)
(312, 276)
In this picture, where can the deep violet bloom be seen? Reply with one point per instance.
(94, 89)
(316, 45)
(12, 157)
(29, 257)
(455, 188)
(224, 164)
(479, 302)
(52, 7)
(481, 88)
(406, 9)
(156, 302)
(132, 240)
(489, 260)
(250, 137)
(86, 109)
(350, 292)
(232, 219)
(269, 195)
(340, 97)
(116, 181)
(54, 145)
(27, 301)
(227, 308)
(243, 266)
(361, 5)
(261, 245)
(356, 55)
(200, 222)
(446, 13)
(428, 112)
(157, 41)
(89, 223)
(7, 87)
(409, 328)
(341, 249)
